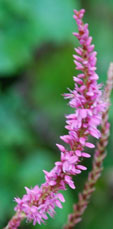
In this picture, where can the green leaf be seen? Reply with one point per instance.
(30, 172)
(56, 18)
(27, 24)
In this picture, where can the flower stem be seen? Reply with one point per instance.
(15, 221)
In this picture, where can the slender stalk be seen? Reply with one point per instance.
(89, 187)
(15, 221)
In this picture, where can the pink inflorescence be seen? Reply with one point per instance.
(34, 209)
(86, 99)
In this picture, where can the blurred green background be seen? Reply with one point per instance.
(36, 67)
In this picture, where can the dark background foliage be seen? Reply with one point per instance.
(36, 67)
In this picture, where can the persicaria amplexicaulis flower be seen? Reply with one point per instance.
(88, 106)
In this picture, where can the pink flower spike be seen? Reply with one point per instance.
(88, 104)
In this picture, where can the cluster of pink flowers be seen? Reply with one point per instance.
(37, 213)
(86, 99)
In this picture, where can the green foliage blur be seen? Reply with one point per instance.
(36, 68)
